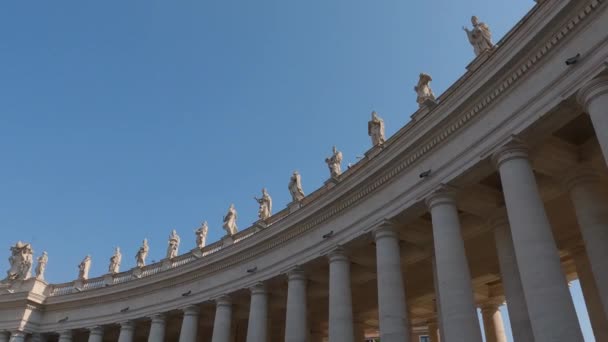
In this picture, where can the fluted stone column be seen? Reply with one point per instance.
(458, 313)
(296, 328)
(257, 328)
(493, 325)
(189, 324)
(17, 336)
(597, 317)
(594, 98)
(157, 328)
(591, 208)
(96, 334)
(340, 298)
(66, 336)
(433, 331)
(223, 319)
(392, 311)
(548, 299)
(511, 281)
(127, 331)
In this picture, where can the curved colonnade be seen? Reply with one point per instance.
(495, 194)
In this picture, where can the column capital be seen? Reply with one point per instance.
(18, 333)
(385, 228)
(258, 288)
(157, 318)
(191, 310)
(96, 330)
(580, 175)
(296, 273)
(490, 306)
(126, 325)
(592, 89)
(223, 300)
(337, 254)
(443, 194)
(514, 149)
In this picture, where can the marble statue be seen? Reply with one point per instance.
(230, 221)
(479, 36)
(115, 261)
(423, 90)
(375, 129)
(201, 235)
(41, 267)
(334, 163)
(265, 203)
(84, 267)
(21, 260)
(295, 187)
(173, 245)
(142, 253)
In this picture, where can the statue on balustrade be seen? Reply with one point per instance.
(201, 235)
(115, 261)
(375, 129)
(230, 221)
(173, 247)
(334, 163)
(295, 187)
(423, 90)
(84, 267)
(41, 267)
(479, 36)
(21, 261)
(265, 203)
(142, 253)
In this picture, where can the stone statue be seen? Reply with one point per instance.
(334, 163)
(230, 221)
(41, 267)
(265, 203)
(84, 267)
(142, 253)
(201, 235)
(375, 129)
(423, 90)
(295, 187)
(21, 261)
(173, 245)
(479, 36)
(115, 261)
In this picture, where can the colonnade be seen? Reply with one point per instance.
(540, 306)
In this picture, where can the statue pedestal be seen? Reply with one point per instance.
(260, 225)
(227, 240)
(293, 206)
(479, 60)
(197, 252)
(166, 264)
(137, 272)
(78, 284)
(108, 279)
(373, 151)
(330, 183)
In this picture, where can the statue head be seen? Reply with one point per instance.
(204, 225)
(232, 206)
(117, 250)
(334, 149)
(145, 242)
(474, 20)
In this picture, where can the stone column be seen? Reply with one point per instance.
(594, 98)
(157, 328)
(296, 328)
(189, 324)
(437, 300)
(257, 328)
(548, 299)
(458, 314)
(392, 310)
(96, 334)
(591, 208)
(17, 336)
(37, 337)
(66, 336)
(597, 317)
(511, 282)
(492, 323)
(127, 330)
(359, 332)
(340, 298)
(433, 331)
(223, 319)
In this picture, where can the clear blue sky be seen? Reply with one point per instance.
(121, 120)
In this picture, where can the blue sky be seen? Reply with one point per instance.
(122, 120)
